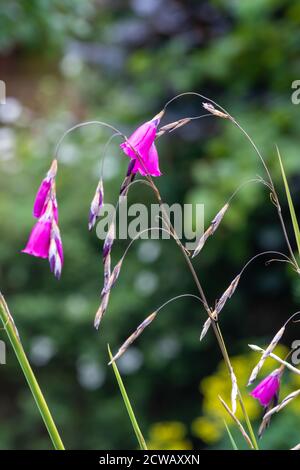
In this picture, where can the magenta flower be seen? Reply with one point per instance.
(43, 193)
(268, 388)
(44, 240)
(141, 142)
(39, 240)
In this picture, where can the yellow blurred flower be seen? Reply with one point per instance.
(168, 435)
(209, 430)
(210, 427)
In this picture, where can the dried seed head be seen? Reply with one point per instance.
(101, 310)
(227, 294)
(267, 352)
(210, 108)
(96, 204)
(134, 336)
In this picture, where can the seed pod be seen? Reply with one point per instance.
(218, 218)
(211, 229)
(113, 277)
(281, 405)
(180, 123)
(134, 336)
(202, 241)
(209, 107)
(267, 352)
(101, 310)
(172, 126)
(227, 294)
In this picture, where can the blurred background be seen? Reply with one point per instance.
(68, 61)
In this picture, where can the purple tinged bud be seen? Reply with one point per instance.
(96, 205)
(56, 257)
(108, 242)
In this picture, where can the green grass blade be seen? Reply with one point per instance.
(139, 435)
(13, 336)
(233, 443)
(290, 202)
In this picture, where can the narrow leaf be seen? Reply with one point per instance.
(290, 201)
(233, 443)
(132, 417)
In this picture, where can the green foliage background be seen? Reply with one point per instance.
(68, 61)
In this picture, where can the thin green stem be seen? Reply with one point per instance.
(136, 428)
(14, 339)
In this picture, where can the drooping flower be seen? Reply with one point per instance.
(39, 240)
(267, 390)
(43, 193)
(45, 241)
(141, 148)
